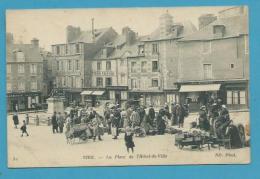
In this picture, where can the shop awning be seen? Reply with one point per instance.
(86, 92)
(98, 93)
(202, 87)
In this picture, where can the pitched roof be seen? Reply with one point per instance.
(31, 52)
(86, 36)
(188, 28)
(234, 26)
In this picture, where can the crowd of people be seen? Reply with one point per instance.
(214, 118)
(141, 120)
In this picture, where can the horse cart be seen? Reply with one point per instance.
(79, 131)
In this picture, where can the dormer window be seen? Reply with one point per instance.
(140, 49)
(219, 30)
(20, 56)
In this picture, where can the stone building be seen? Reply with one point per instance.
(214, 61)
(154, 70)
(73, 59)
(24, 75)
(110, 69)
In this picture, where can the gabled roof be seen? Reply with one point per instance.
(31, 52)
(187, 28)
(234, 26)
(86, 36)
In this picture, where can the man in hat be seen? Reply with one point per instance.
(203, 121)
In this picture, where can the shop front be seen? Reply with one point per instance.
(147, 98)
(93, 97)
(23, 101)
(197, 95)
(118, 94)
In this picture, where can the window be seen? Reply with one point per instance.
(58, 50)
(246, 44)
(108, 65)
(20, 56)
(170, 98)
(8, 68)
(207, 69)
(133, 67)
(99, 82)
(155, 48)
(61, 65)
(69, 65)
(58, 65)
(66, 49)
(133, 83)
(33, 85)
(122, 77)
(99, 66)
(206, 47)
(143, 66)
(155, 83)
(141, 49)
(111, 94)
(71, 81)
(155, 66)
(124, 95)
(77, 48)
(33, 68)
(232, 65)
(20, 68)
(21, 86)
(64, 81)
(236, 97)
(78, 82)
(77, 64)
(108, 81)
(65, 66)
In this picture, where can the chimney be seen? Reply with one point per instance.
(9, 38)
(129, 35)
(93, 30)
(206, 19)
(72, 33)
(35, 42)
(165, 24)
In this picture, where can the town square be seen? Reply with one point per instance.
(177, 92)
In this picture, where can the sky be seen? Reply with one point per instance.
(49, 25)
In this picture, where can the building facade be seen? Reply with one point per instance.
(214, 61)
(73, 64)
(24, 74)
(154, 70)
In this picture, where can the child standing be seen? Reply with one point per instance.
(129, 139)
(23, 129)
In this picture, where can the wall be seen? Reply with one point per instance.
(223, 53)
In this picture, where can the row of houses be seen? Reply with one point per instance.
(175, 63)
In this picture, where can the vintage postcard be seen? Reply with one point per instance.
(129, 86)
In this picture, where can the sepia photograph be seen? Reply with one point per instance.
(127, 86)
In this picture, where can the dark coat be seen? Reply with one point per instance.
(203, 121)
(54, 121)
(160, 124)
(151, 113)
(15, 119)
(23, 128)
(129, 141)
